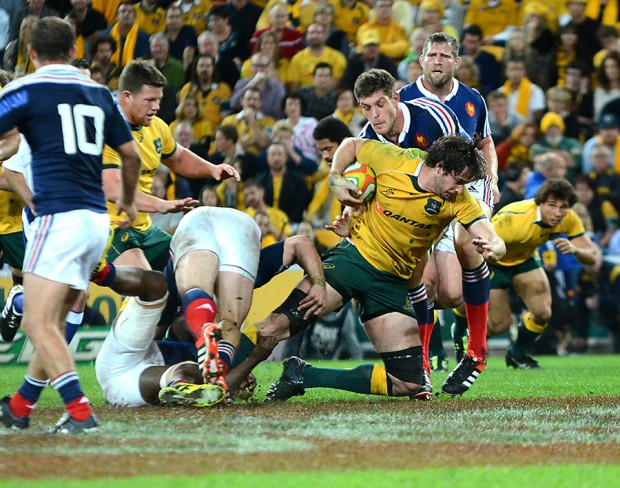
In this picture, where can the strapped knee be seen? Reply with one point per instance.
(290, 308)
(405, 365)
(177, 372)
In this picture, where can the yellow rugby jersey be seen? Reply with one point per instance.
(150, 22)
(348, 19)
(155, 143)
(10, 212)
(210, 102)
(302, 65)
(519, 224)
(401, 222)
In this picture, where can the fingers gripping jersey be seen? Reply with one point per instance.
(403, 220)
(425, 120)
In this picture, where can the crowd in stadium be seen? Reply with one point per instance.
(247, 82)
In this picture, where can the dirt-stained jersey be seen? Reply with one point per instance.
(520, 225)
(399, 225)
(155, 143)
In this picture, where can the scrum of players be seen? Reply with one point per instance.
(180, 337)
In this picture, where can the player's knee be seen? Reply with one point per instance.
(496, 327)
(541, 314)
(404, 369)
(186, 371)
(153, 286)
(290, 308)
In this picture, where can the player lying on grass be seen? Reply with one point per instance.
(417, 195)
(525, 226)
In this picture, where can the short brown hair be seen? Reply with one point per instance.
(52, 39)
(139, 73)
(372, 81)
(558, 188)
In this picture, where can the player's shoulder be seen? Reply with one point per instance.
(471, 93)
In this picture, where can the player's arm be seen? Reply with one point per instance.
(299, 249)
(487, 146)
(486, 241)
(17, 183)
(581, 247)
(9, 144)
(188, 164)
(345, 155)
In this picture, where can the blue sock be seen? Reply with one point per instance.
(72, 324)
(226, 352)
(32, 388)
(68, 385)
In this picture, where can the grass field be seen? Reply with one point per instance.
(555, 427)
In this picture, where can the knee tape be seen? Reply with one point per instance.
(166, 377)
(405, 365)
(295, 316)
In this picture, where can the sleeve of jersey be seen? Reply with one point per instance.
(9, 115)
(380, 156)
(468, 210)
(169, 145)
(117, 132)
(111, 159)
(573, 226)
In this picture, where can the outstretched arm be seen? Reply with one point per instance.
(486, 241)
(581, 247)
(186, 163)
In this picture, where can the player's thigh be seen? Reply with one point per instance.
(533, 288)
(449, 291)
(156, 247)
(196, 269)
(234, 296)
(499, 311)
(392, 332)
(13, 249)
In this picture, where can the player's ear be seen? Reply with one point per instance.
(396, 97)
(72, 52)
(457, 62)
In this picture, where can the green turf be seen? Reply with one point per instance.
(506, 477)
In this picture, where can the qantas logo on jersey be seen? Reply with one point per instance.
(432, 206)
(421, 141)
(159, 147)
(406, 220)
(470, 109)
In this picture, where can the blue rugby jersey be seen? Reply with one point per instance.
(66, 118)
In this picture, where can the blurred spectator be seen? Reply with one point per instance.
(193, 13)
(515, 177)
(581, 102)
(302, 126)
(230, 45)
(346, 111)
(169, 221)
(606, 180)
(416, 45)
(540, 43)
(368, 57)
(243, 17)
(285, 188)
(268, 44)
(488, 67)
(320, 98)
(16, 56)
(501, 120)
(430, 17)
(228, 71)
(350, 15)
(230, 191)
(36, 8)
(608, 134)
(602, 214)
(516, 46)
(12, 8)
(552, 129)
(227, 150)
(495, 17)
(263, 78)
(300, 13)
(336, 39)
(182, 37)
(204, 84)
(290, 40)
(565, 52)
(150, 17)
(264, 224)
(208, 197)
(253, 126)
(558, 101)
(188, 110)
(546, 166)
(588, 43)
(79, 40)
(282, 132)
(301, 67)
(132, 42)
(524, 97)
(89, 21)
(393, 38)
(608, 76)
(468, 73)
(108, 8)
(254, 194)
(608, 37)
(171, 68)
(101, 50)
(517, 146)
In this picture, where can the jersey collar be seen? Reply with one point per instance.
(426, 93)
(539, 220)
(406, 125)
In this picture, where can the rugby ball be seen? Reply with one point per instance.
(363, 177)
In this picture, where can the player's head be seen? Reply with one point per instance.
(328, 134)
(51, 39)
(376, 95)
(440, 59)
(140, 90)
(82, 65)
(555, 197)
(455, 161)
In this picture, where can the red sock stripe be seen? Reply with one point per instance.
(477, 316)
(199, 312)
(20, 406)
